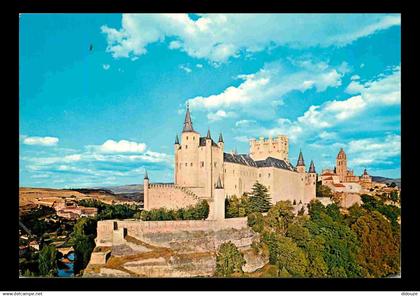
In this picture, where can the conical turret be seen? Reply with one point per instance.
(146, 177)
(188, 126)
(176, 139)
(312, 167)
(208, 134)
(220, 138)
(300, 161)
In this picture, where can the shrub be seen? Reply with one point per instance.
(229, 260)
(256, 221)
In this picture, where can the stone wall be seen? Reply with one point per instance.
(170, 196)
(110, 232)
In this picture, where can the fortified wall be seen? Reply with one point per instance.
(158, 195)
(130, 248)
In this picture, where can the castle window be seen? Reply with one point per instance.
(186, 164)
(187, 137)
(193, 138)
(191, 164)
(202, 164)
(215, 164)
(259, 175)
(186, 146)
(269, 175)
(235, 186)
(225, 170)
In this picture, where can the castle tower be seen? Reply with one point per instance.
(341, 165)
(219, 201)
(310, 184)
(300, 166)
(186, 154)
(272, 147)
(146, 191)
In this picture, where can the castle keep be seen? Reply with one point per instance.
(203, 170)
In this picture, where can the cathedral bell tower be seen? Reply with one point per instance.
(341, 165)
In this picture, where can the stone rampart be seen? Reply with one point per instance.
(170, 196)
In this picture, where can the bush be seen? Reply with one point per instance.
(47, 262)
(229, 260)
(256, 221)
(198, 212)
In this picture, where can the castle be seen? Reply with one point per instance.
(341, 179)
(203, 170)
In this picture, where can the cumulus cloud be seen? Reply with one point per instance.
(268, 86)
(220, 114)
(122, 146)
(40, 141)
(218, 37)
(376, 93)
(375, 150)
(106, 66)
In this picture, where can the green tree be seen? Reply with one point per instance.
(279, 216)
(232, 207)
(322, 190)
(256, 221)
(47, 261)
(229, 260)
(379, 254)
(259, 199)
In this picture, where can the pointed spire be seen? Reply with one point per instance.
(219, 184)
(312, 167)
(176, 139)
(220, 138)
(146, 177)
(188, 127)
(300, 161)
(208, 134)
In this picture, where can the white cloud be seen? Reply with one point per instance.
(199, 66)
(185, 68)
(41, 141)
(374, 150)
(220, 114)
(106, 66)
(123, 146)
(354, 87)
(268, 85)
(217, 37)
(374, 94)
(355, 77)
(244, 123)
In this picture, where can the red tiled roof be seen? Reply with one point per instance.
(339, 185)
(327, 174)
(328, 178)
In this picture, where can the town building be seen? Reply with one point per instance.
(203, 170)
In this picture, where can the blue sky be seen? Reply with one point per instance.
(100, 117)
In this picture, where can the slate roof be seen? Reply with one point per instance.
(203, 142)
(245, 159)
(274, 162)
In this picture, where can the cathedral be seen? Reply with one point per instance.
(203, 170)
(341, 179)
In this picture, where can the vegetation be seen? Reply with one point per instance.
(106, 211)
(323, 190)
(229, 260)
(198, 212)
(365, 242)
(83, 242)
(257, 201)
(47, 262)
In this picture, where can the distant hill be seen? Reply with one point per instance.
(386, 180)
(132, 191)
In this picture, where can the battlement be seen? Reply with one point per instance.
(277, 147)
